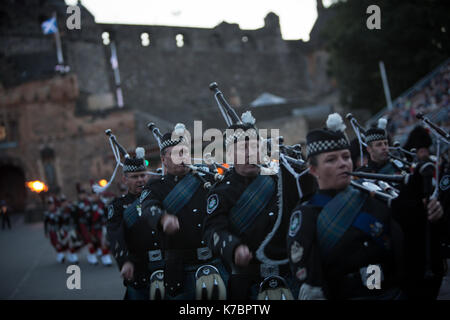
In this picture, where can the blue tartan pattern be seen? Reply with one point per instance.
(181, 194)
(337, 216)
(130, 214)
(250, 204)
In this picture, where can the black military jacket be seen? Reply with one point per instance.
(134, 242)
(115, 227)
(190, 217)
(374, 167)
(223, 239)
(337, 275)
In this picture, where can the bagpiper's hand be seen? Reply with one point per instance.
(242, 256)
(127, 271)
(169, 223)
(434, 210)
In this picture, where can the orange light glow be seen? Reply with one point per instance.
(102, 183)
(37, 186)
(222, 171)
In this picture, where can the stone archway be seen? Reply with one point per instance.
(12, 187)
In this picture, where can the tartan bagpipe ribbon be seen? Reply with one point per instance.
(337, 216)
(132, 212)
(250, 204)
(181, 194)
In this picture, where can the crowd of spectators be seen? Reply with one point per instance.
(431, 96)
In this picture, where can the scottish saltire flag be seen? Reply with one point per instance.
(49, 26)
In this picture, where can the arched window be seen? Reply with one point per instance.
(179, 38)
(105, 37)
(145, 39)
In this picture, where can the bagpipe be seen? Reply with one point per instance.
(379, 185)
(210, 168)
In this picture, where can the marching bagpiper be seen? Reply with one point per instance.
(135, 247)
(428, 264)
(341, 235)
(84, 213)
(98, 229)
(379, 160)
(247, 219)
(68, 230)
(52, 228)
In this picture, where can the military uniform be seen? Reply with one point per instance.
(84, 217)
(115, 227)
(224, 235)
(98, 231)
(422, 239)
(132, 240)
(389, 167)
(68, 231)
(444, 189)
(184, 251)
(343, 244)
(52, 230)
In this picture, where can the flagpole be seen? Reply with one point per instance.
(387, 92)
(115, 66)
(59, 53)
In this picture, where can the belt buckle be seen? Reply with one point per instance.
(154, 255)
(269, 270)
(204, 253)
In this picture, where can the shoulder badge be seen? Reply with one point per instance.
(295, 223)
(212, 203)
(445, 183)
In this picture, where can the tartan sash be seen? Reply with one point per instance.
(131, 213)
(181, 194)
(251, 203)
(387, 169)
(337, 216)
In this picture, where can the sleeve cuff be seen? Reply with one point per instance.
(228, 247)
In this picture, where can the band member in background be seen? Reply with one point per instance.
(4, 212)
(84, 219)
(175, 207)
(427, 228)
(243, 216)
(338, 238)
(68, 230)
(419, 139)
(51, 228)
(98, 229)
(134, 246)
(378, 148)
